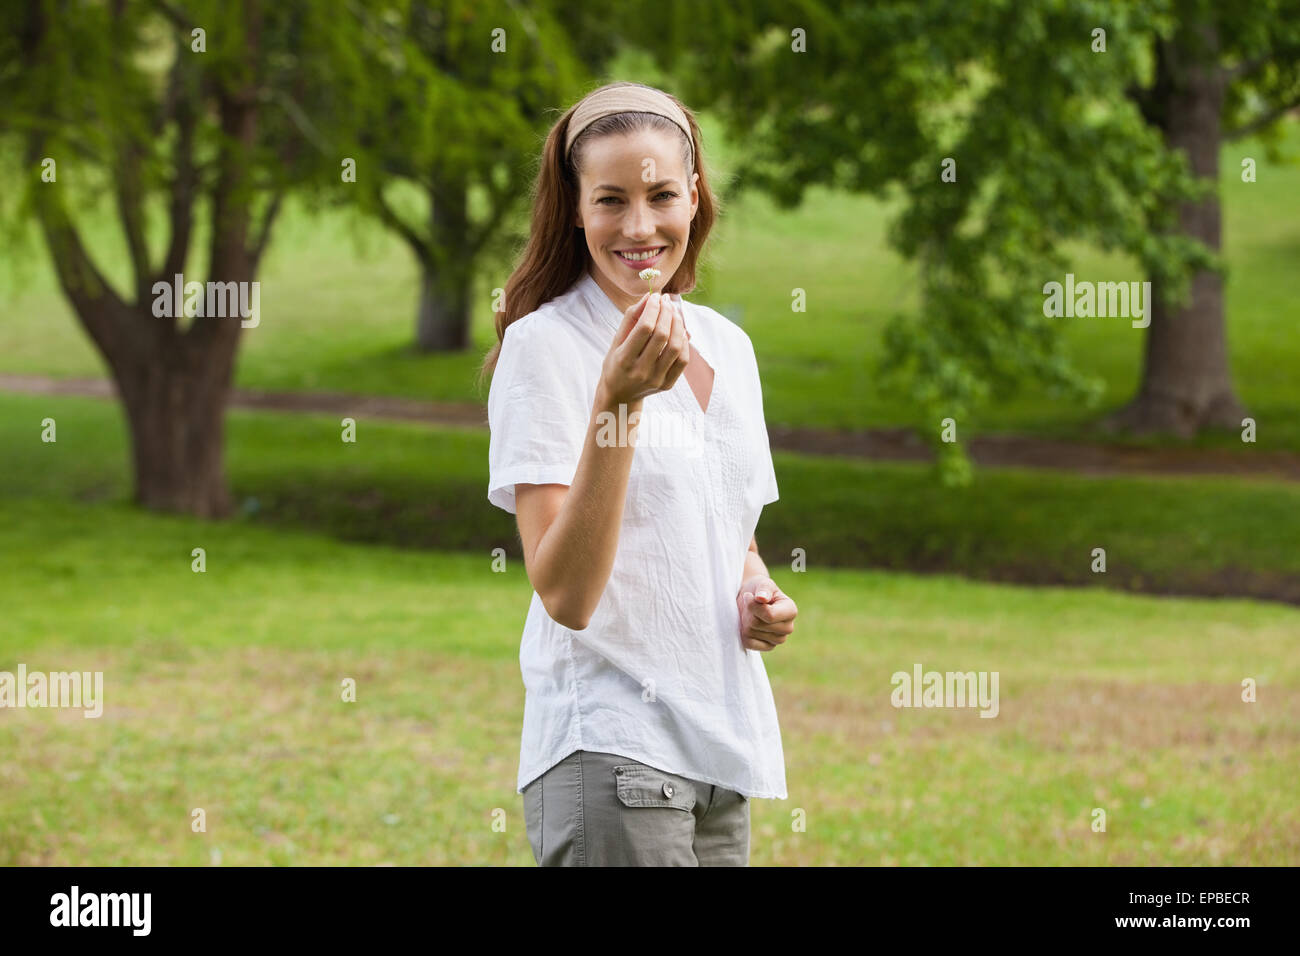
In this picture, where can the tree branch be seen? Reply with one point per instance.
(238, 115)
(1261, 121)
(131, 213)
(184, 182)
(394, 222)
(263, 232)
(1248, 67)
(128, 189)
(501, 202)
(97, 306)
(101, 312)
(299, 118)
(1142, 99)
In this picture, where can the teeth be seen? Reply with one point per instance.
(641, 256)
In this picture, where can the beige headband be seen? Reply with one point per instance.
(625, 98)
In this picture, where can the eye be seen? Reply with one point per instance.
(666, 193)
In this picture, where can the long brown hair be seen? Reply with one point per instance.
(556, 255)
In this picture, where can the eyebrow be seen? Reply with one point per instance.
(620, 189)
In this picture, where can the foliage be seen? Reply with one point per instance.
(1050, 143)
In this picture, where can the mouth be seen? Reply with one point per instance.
(639, 259)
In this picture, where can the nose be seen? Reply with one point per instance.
(640, 223)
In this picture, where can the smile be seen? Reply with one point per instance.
(641, 260)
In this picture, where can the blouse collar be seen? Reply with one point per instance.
(611, 316)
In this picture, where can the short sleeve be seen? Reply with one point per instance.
(538, 410)
(770, 493)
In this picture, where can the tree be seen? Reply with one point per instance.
(1058, 122)
(169, 111)
(1242, 69)
(444, 104)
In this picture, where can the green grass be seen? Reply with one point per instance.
(339, 300)
(222, 693)
(372, 561)
(418, 487)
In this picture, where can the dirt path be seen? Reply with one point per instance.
(878, 444)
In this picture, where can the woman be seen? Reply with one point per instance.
(648, 722)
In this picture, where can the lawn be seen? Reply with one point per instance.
(339, 296)
(222, 692)
(373, 561)
(419, 487)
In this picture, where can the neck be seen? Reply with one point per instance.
(617, 296)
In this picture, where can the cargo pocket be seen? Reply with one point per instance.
(642, 786)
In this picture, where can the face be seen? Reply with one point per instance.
(633, 198)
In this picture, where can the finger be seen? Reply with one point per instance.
(760, 611)
(681, 310)
(760, 616)
(754, 644)
(755, 622)
(784, 609)
(764, 616)
(644, 327)
(779, 613)
(657, 330)
(675, 347)
(630, 318)
(675, 372)
(776, 634)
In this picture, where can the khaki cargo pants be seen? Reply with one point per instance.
(601, 809)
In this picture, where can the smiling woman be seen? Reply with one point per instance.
(649, 722)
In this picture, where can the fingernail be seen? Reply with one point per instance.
(764, 595)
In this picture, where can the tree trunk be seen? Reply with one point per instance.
(174, 386)
(174, 383)
(1186, 379)
(444, 311)
(176, 410)
(443, 321)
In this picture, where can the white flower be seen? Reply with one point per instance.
(649, 275)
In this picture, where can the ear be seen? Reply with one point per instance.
(695, 194)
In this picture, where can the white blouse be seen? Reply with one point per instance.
(659, 674)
